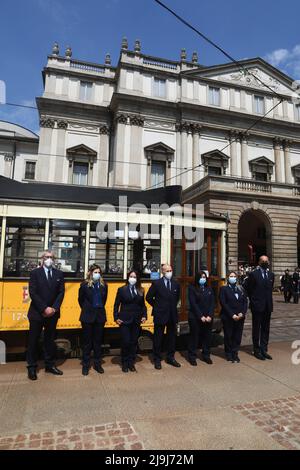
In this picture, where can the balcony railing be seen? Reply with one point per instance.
(242, 185)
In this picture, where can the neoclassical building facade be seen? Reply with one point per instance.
(230, 135)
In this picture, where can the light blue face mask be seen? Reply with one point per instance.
(202, 281)
(232, 280)
(96, 277)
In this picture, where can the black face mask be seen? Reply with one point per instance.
(264, 265)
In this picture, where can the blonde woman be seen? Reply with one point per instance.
(92, 299)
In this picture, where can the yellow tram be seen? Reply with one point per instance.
(118, 229)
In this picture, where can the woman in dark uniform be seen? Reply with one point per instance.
(234, 305)
(201, 312)
(92, 298)
(129, 312)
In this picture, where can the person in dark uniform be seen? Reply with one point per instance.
(129, 312)
(163, 296)
(296, 285)
(234, 305)
(92, 299)
(46, 290)
(287, 286)
(201, 312)
(260, 291)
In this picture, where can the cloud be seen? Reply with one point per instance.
(286, 59)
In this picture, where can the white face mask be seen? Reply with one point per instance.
(169, 275)
(48, 262)
(96, 276)
(132, 281)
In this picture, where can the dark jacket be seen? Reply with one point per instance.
(45, 294)
(202, 302)
(230, 304)
(287, 282)
(90, 314)
(127, 308)
(260, 291)
(295, 281)
(164, 301)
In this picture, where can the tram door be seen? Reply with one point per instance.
(186, 263)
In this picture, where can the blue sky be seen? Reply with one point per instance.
(94, 27)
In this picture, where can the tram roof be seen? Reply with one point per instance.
(12, 190)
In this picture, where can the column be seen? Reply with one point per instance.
(178, 157)
(184, 159)
(60, 152)
(244, 156)
(233, 152)
(119, 167)
(100, 178)
(277, 155)
(287, 162)
(137, 124)
(196, 135)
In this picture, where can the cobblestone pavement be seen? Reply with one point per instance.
(285, 322)
(113, 436)
(279, 418)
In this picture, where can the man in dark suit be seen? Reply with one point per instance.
(296, 285)
(46, 289)
(163, 296)
(260, 291)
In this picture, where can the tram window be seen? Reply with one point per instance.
(24, 245)
(144, 250)
(67, 241)
(214, 253)
(202, 257)
(107, 252)
(177, 257)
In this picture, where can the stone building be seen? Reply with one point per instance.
(18, 152)
(150, 121)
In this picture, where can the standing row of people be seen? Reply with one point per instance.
(46, 290)
(290, 285)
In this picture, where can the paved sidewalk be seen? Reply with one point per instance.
(251, 405)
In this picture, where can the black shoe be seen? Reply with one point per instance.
(229, 358)
(132, 368)
(207, 360)
(85, 370)
(32, 374)
(267, 356)
(236, 359)
(193, 362)
(173, 362)
(157, 365)
(259, 356)
(98, 369)
(54, 370)
(125, 369)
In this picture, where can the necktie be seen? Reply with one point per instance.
(132, 292)
(49, 275)
(169, 284)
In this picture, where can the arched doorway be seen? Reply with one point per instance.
(254, 237)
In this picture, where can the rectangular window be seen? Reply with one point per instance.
(80, 173)
(214, 96)
(160, 88)
(67, 240)
(107, 248)
(144, 250)
(24, 245)
(297, 112)
(158, 174)
(30, 170)
(86, 89)
(214, 171)
(259, 104)
(261, 176)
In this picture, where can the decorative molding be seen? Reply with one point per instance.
(104, 130)
(136, 120)
(251, 80)
(47, 122)
(62, 124)
(121, 119)
(153, 124)
(83, 127)
(188, 127)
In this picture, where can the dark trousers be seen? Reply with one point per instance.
(233, 331)
(260, 330)
(35, 330)
(92, 336)
(199, 332)
(170, 341)
(129, 339)
(287, 295)
(296, 296)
